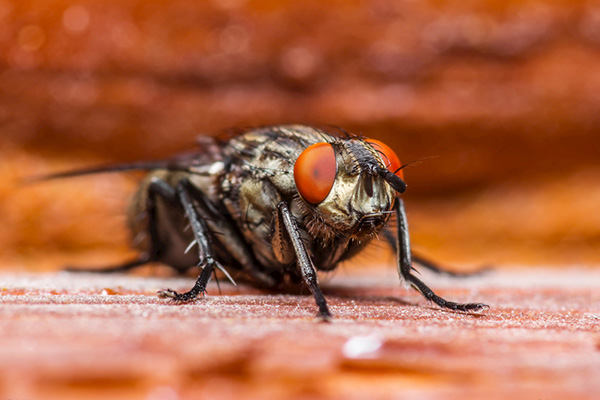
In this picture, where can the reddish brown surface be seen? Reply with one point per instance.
(74, 336)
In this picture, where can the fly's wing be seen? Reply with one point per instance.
(133, 166)
(209, 153)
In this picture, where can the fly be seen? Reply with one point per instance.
(274, 204)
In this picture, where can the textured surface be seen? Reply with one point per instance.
(66, 336)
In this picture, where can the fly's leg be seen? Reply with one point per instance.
(305, 264)
(199, 287)
(434, 267)
(234, 244)
(128, 266)
(430, 265)
(200, 230)
(405, 267)
(156, 188)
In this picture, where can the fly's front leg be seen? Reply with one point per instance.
(200, 230)
(305, 264)
(405, 267)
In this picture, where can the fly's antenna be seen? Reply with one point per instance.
(394, 180)
(415, 162)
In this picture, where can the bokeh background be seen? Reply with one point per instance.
(500, 100)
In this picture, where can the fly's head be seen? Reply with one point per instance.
(348, 186)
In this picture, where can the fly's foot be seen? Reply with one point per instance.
(470, 307)
(325, 318)
(177, 297)
(450, 305)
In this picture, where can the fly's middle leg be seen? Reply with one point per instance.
(201, 236)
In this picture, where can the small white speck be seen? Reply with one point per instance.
(216, 167)
(361, 346)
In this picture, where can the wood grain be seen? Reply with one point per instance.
(73, 336)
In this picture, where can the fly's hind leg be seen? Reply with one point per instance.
(406, 273)
(431, 265)
(156, 188)
(127, 266)
(434, 267)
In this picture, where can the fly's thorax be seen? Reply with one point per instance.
(354, 202)
(267, 156)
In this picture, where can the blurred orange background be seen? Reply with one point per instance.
(501, 99)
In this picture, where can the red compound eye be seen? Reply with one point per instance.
(390, 159)
(314, 172)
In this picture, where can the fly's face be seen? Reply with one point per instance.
(349, 185)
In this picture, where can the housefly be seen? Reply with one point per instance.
(274, 204)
